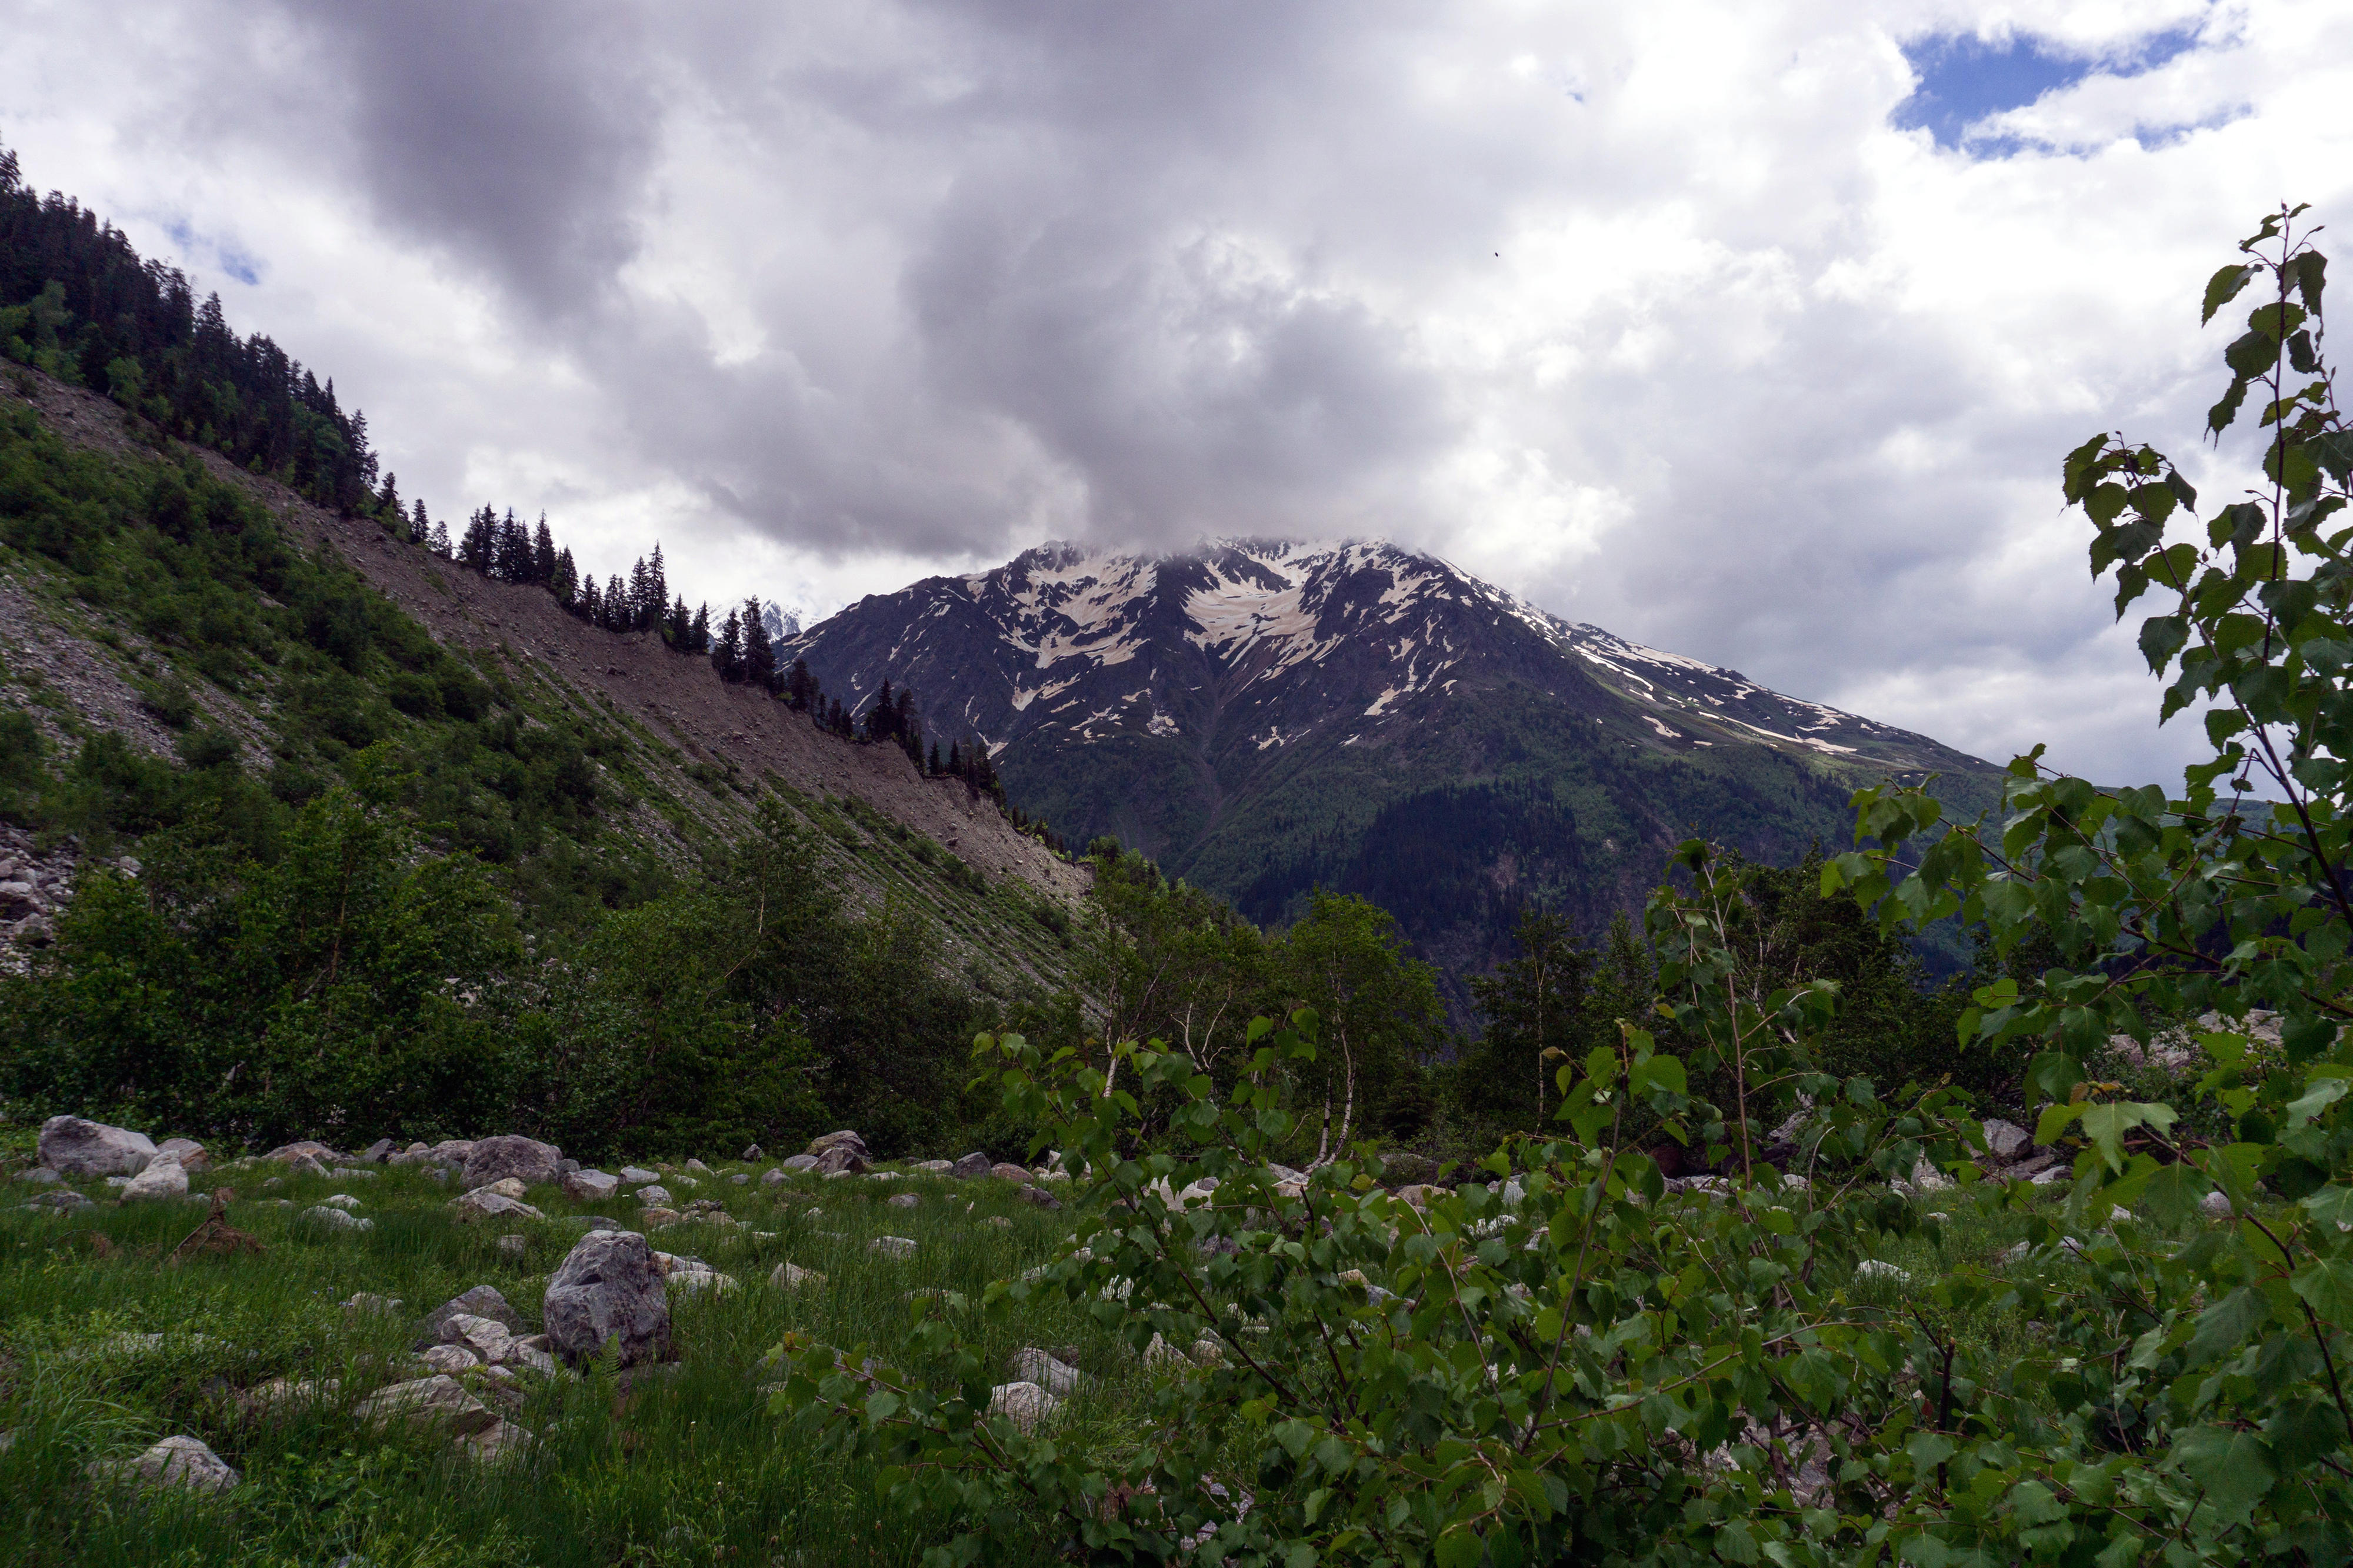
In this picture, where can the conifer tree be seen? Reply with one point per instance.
(591, 603)
(879, 717)
(564, 581)
(543, 554)
(698, 634)
(421, 527)
(478, 549)
(800, 686)
(932, 763)
(657, 588)
(438, 541)
(759, 657)
(388, 497)
(675, 629)
(727, 652)
(620, 610)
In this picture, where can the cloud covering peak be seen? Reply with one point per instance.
(1752, 333)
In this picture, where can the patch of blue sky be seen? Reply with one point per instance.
(238, 264)
(1965, 78)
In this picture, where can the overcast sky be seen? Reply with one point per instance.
(1753, 332)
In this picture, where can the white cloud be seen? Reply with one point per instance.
(1649, 313)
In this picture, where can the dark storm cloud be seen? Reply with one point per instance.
(515, 137)
(1647, 312)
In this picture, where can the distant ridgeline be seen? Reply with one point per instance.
(78, 303)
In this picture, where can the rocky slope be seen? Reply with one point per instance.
(694, 761)
(1264, 717)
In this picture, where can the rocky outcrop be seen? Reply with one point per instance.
(608, 1291)
(181, 1461)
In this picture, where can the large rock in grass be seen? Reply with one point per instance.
(481, 1301)
(1007, 1171)
(842, 1139)
(590, 1186)
(494, 1206)
(429, 1401)
(973, 1165)
(527, 1160)
(609, 1290)
(162, 1178)
(78, 1148)
(187, 1150)
(303, 1149)
(841, 1160)
(185, 1462)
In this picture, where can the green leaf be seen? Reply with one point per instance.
(2327, 1286)
(2221, 289)
(2173, 1194)
(2056, 1119)
(1460, 1547)
(2236, 1469)
(2303, 1430)
(2226, 1325)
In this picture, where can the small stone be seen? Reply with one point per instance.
(698, 1167)
(427, 1400)
(273, 1183)
(2006, 1140)
(481, 1301)
(656, 1217)
(500, 1440)
(336, 1219)
(591, 1187)
(655, 1196)
(1030, 1364)
(751, 1154)
(998, 1222)
(514, 1246)
(799, 1162)
(1875, 1268)
(376, 1152)
(505, 1187)
(637, 1176)
(304, 1165)
(180, 1461)
(1160, 1353)
(2215, 1205)
(932, 1167)
(1039, 1197)
(1025, 1405)
(450, 1360)
(788, 1276)
(187, 1150)
(340, 1201)
(366, 1304)
(351, 1174)
(892, 1246)
(773, 1178)
(902, 1201)
(741, 1179)
(841, 1160)
(1006, 1171)
(40, 1176)
(971, 1165)
(475, 1205)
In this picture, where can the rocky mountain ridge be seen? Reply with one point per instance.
(1268, 716)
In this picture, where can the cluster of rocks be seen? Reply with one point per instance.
(34, 887)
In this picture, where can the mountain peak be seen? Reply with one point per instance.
(1250, 710)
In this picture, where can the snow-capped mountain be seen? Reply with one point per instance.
(1254, 713)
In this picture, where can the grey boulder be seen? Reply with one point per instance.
(179, 1461)
(481, 1301)
(842, 1139)
(527, 1160)
(187, 1150)
(841, 1160)
(429, 1401)
(608, 1291)
(78, 1148)
(162, 1178)
(496, 1205)
(799, 1162)
(1007, 1171)
(972, 1165)
(591, 1187)
(2006, 1140)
